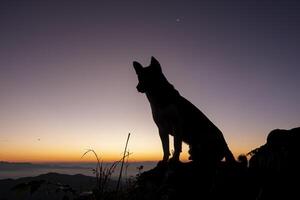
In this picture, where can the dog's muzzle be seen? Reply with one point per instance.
(140, 88)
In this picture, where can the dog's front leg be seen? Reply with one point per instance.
(164, 136)
(177, 147)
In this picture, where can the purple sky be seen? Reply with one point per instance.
(67, 81)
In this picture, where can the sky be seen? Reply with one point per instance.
(67, 83)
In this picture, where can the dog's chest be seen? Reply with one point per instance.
(166, 115)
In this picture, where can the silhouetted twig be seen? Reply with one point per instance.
(122, 164)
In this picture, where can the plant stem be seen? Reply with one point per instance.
(123, 159)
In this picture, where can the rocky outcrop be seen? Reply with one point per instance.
(273, 173)
(275, 165)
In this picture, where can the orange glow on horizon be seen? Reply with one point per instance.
(70, 146)
(70, 157)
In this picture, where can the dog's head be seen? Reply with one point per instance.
(149, 77)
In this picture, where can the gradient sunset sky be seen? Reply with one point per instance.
(67, 83)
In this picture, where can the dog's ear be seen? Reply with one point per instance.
(155, 63)
(137, 66)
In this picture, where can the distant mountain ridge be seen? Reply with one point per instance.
(27, 165)
(16, 165)
(77, 182)
(15, 170)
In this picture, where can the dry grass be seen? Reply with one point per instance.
(103, 173)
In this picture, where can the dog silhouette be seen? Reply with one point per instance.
(175, 115)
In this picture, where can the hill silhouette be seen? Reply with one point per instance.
(275, 165)
(37, 187)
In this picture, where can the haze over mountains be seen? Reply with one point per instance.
(16, 170)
